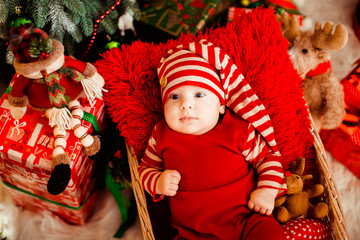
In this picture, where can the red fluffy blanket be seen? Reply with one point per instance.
(259, 50)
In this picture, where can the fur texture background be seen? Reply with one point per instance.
(17, 222)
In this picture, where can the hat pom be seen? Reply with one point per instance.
(29, 44)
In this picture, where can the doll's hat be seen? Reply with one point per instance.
(206, 65)
(30, 44)
(35, 51)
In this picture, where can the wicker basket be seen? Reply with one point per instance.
(335, 217)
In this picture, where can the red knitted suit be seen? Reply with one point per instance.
(217, 177)
(37, 92)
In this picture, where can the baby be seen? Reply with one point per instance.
(218, 164)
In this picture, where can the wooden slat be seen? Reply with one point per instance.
(337, 217)
(139, 194)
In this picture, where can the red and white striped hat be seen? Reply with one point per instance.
(183, 67)
(201, 64)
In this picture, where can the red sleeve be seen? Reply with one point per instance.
(268, 166)
(20, 83)
(151, 167)
(75, 64)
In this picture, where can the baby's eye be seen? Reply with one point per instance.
(174, 96)
(199, 95)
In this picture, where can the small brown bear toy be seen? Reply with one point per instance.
(296, 202)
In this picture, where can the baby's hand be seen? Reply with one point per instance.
(168, 183)
(262, 200)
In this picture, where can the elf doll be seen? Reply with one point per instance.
(49, 81)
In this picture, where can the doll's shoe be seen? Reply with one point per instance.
(59, 179)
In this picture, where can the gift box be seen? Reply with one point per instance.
(26, 147)
(72, 214)
(179, 16)
(235, 12)
(343, 143)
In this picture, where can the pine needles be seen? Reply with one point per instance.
(68, 21)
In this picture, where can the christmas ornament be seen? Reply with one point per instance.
(19, 19)
(97, 22)
(126, 22)
(111, 44)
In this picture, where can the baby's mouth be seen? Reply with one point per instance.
(187, 118)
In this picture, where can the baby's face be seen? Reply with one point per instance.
(192, 110)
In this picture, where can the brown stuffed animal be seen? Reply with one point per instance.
(310, 55)
(296, 202)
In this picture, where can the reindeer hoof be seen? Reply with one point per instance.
(319, 211)
(282, 214)
(59, 179)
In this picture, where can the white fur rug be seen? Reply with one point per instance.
(21, 224)
(17, 223)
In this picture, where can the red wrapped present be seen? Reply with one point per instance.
(72, 214)
(344, 142)
(235, 12)
(178, 16)
(26, 147)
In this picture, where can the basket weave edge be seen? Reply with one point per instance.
(338, 221)
(139, 194)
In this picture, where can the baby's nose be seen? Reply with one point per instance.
(185, 104)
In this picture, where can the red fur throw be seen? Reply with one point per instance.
(259, 50)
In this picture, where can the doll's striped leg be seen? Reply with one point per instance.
(90, 143)
(61, 173)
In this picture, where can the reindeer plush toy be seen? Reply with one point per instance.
(310, 55)
(297, 200)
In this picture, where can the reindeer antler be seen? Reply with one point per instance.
(290, 27)
(298, 166)
(324, 39)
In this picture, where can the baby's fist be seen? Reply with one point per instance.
(168, 183)
(262, 200)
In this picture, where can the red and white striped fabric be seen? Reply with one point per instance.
(179, 67)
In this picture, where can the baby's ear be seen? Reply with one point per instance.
(222, 109)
